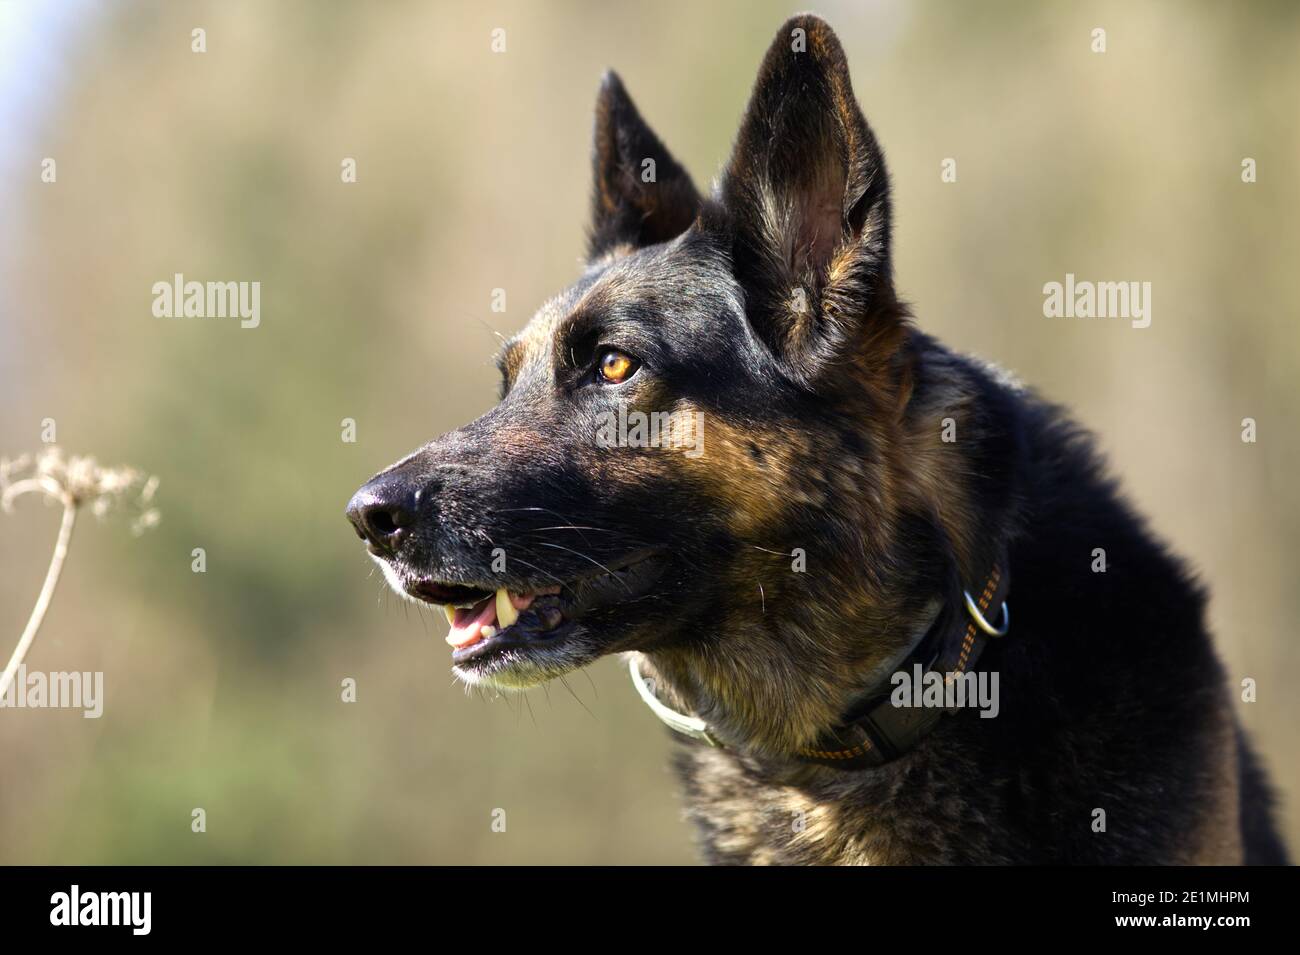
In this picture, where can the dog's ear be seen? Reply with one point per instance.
(640, 194)
(806, 198)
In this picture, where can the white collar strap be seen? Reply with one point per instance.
(691, 726)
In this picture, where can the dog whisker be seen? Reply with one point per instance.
(591, 559)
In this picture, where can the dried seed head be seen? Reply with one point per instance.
(80, 479)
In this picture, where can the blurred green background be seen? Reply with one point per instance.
(223, 688)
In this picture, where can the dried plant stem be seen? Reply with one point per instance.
(72, 481)
(47, 589)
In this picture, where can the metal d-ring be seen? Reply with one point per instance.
(983, 624)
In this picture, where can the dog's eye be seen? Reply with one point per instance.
(616, 367)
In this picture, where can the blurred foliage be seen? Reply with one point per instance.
(223, 688)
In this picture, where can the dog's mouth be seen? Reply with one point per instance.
(487, 622)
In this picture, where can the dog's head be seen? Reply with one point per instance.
(696, 449)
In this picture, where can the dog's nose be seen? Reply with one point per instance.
(383, 511)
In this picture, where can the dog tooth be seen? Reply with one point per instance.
(486, 632)
(506, 612)
(451, 614)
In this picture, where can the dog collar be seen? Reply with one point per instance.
(875, 731)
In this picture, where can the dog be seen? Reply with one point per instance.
(729, 453)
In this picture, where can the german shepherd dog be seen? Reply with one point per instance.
(833, 505)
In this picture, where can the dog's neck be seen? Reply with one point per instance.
(789, 702)
(690, 724)
(872, 727)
